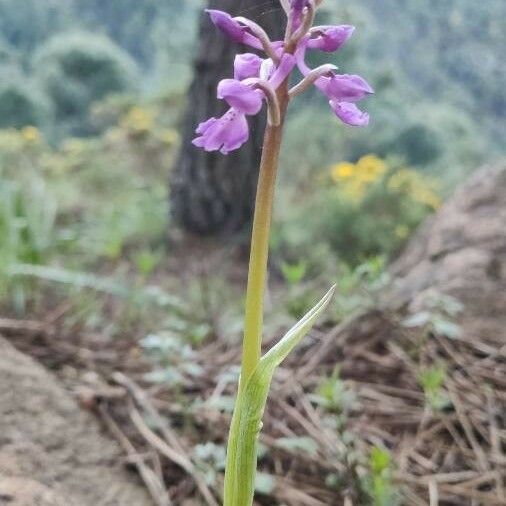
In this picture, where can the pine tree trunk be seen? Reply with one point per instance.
(211, 193)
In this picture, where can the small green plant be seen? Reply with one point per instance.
(147, 260)
(27, 232)
(437, 316)
(300, 297)
(379, 482)
(175, 359)
(360, 286)
(334, 395)
(432, 380)
(294, 273)
(210, 459)
(298, 444)
(338, 399)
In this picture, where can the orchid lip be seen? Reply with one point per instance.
(240, 96)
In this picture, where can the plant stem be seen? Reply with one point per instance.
(242, 447)
(257, 275)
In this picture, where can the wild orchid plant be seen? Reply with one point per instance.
(257, 80)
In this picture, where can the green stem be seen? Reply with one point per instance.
(253, 319)
(254, 308)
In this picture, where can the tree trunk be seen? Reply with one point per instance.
(211, 193)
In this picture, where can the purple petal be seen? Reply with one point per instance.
(345, 88)
(227, 24)
(330, 38)
(298, 5)
(349, 113)
(232, 28)
(205, 126)
(241, 97)
(226, 134)
(283, 70)
(247, 65)
(297, 8)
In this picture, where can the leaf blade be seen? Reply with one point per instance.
(246, 422)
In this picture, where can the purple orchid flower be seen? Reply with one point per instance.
(256, 79)
(298, 5)
(343, 90)
(349, 113)
(344, 87)
(231, 131)
(297, 8)
(330, 38)
(233, 28)
(240, 96)
(226, 134)
(247, 65)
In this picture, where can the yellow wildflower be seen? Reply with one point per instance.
(31, 134)
(401, 231)
(168, 136)
(428, 198)
(138, 119)
(343, 170)
(417, 187)
(371, 167)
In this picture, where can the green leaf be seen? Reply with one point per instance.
(380, 460)
(282, 349)
(293, 273)
(250, 406)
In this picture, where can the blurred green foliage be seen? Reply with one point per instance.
(437, 69)
(432, 380)
(27, 210)
(357, 210)
(439, 79)
(85, 203)
(373, 207)
(82, 72)
(380, 482)
(76, 70)
(73, 53)
(21, 104)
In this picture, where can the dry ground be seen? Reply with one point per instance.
(449, 456)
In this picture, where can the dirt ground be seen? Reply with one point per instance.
(53, 453)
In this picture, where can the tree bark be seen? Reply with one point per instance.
(213, 194)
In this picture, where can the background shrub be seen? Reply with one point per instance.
(372, 207)
(21, 105)
(79, 69)
(360, 211)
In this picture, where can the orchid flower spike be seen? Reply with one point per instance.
(257, 80)
(245, 98)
